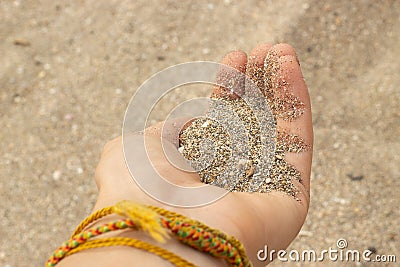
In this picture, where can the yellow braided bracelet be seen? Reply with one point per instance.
(158, 223)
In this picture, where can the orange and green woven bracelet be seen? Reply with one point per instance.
(157, 222)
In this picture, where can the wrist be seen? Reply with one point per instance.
(171, 244)
(114, 228)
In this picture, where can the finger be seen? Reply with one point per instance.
(232, 83)
(292, 105)
(255, 64)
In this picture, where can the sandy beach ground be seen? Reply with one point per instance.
(69, 69)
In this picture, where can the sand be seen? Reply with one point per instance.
(68, 71)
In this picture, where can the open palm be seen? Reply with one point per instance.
(256, 219)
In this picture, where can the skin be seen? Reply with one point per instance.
(256, 219)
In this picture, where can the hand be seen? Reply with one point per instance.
(256, 219)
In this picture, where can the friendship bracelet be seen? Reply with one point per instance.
(155, 221)
(131, 242)
(81, 242)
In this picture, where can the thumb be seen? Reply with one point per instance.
(169, 130)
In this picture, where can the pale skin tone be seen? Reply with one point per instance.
(256, 219)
